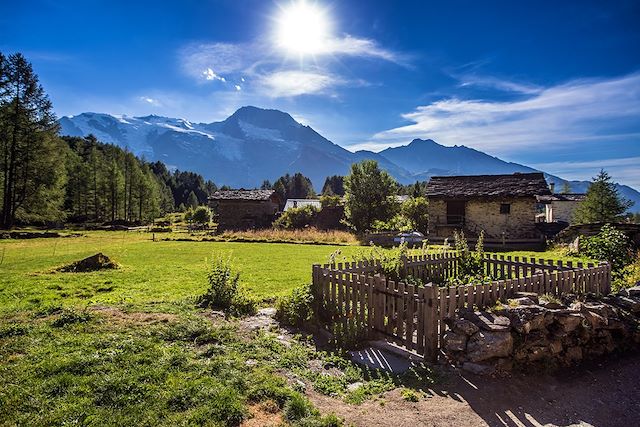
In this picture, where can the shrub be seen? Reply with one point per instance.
(613, 246)
(329, 201)
(296, 308)
(224, 291)
(202, 216)
(296, 218)
(469, 263)
(415, 210)
(298, 407)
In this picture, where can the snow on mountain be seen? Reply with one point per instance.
(255, 144)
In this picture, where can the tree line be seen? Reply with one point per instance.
(47, 178)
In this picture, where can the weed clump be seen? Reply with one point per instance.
(224, 292)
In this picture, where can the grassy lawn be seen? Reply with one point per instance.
(157, 273)
(128, 346)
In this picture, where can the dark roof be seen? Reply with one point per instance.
(562, 197)
(513, 185)
(242, 194)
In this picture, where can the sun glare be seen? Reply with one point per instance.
(302, 28)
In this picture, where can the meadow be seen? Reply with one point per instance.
(129, 347)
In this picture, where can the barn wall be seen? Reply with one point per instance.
(242, 215)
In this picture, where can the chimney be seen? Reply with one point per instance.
(552, 186)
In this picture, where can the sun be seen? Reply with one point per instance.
(303, 28)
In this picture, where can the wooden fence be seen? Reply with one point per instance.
(358, 302)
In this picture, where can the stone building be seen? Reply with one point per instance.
(560, 207)
(503, 206)
(244, 209)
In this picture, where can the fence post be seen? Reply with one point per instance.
(430, 322)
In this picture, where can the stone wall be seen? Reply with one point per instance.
(531, 333)
(561, 210)
(484, 214)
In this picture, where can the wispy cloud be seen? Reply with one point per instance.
(580, 110)
(500, 84)
(294, 83)
(150, 101)
(269, 67)
(621, 169)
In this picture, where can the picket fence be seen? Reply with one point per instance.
(357, 302)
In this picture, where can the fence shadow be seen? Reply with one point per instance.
(602, 393)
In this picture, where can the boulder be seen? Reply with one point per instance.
(573, 354)
(490, 322)
(522, 301)
(532, 296)
(569, 322)
(485, 345)
(454, 342)
(527, 318)
(464, 327)
(634, 292)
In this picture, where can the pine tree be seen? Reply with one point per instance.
(32, 156)
(602, 203)
(192, 201)
(566, 188)
(333, 186)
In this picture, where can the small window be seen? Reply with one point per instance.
(505, 208)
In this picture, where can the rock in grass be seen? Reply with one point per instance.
(95, 262)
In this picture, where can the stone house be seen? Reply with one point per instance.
(560, 207)
(504, 206)
(244, 209)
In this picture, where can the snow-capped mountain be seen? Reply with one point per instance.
(255, 144)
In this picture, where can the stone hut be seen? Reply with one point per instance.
(560, 207)
(504, 206)
(244, 209)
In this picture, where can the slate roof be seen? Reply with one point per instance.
(242, 194)
(470, 186)
(298, 203)
(566, 197)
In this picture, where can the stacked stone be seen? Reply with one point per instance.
(531, 333)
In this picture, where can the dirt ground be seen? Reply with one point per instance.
(597, 394)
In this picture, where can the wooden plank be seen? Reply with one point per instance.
(409, 300)
(420, 302)
(452, 302)
(401, 311)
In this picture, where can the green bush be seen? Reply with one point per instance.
(296, 308)
(296, 218)
(224, 290)
(613, 246)
(415, 210)
(470, 264)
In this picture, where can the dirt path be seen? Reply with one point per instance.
(605, 394)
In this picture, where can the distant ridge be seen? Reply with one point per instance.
(254, 144)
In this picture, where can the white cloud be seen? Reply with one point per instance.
(578, 111)
(504, 85)
(294, 83)
(621, 169)
(209, 74)
(151, 101)
(353, 46)
(238, 87)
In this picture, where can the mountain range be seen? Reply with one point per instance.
(255, 144)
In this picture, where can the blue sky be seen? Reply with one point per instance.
(554, 85)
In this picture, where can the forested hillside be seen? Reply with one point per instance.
(45, 178)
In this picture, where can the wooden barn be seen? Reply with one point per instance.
(244, 209)
(503, 206)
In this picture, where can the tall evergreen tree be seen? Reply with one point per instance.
(32, 156)
(602, 203)
(333, 186)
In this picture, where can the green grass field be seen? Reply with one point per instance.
(152, 273)
(129, 347)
